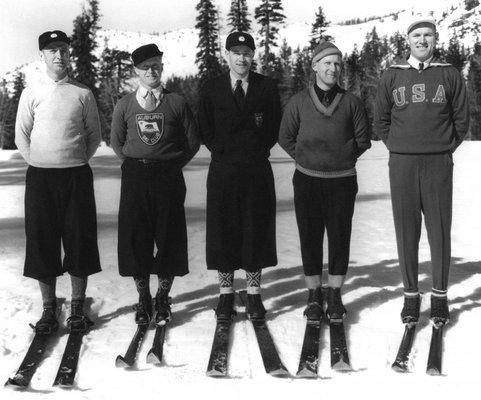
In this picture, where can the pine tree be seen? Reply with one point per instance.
(301, 70)
(474, 91)
(11, 107)
(186, 87)
(83, 45)
(238, 16)
(207, 58)
(318, 29)
(398, 46)
(353, 72)
(269, 16)
(283, 68)
(371, 58)
(114, 72)
(455, 53)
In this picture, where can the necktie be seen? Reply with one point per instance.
(421, 66)
(239, 93)
(149, 101)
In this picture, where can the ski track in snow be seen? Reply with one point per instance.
(372, 294)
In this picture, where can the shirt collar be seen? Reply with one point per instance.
(157, 92)
(233, 80)
(414, 62)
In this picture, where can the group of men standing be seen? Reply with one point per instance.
(421, 115)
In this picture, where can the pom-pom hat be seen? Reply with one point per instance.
(324, 49)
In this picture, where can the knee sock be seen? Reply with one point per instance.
(142, 285)
(253, 282)
(79, 287)
(313, 281)
(226, 282)
(165, 284)
(47, 290)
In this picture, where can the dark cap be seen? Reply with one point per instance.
(52, 36)
(239, 39)
(145, 52)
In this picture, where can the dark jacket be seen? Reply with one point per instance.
(239, 134)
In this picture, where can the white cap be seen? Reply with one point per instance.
(426, 21)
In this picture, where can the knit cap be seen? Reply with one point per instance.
(324, 49)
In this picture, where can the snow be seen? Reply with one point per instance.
(180, 46)
(372, 294)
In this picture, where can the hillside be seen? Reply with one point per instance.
(179, 46)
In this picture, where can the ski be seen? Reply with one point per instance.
(435, 351)
(400, 364)
(270, 357)
(154, 356)
(309, 361)
(128, 359)
(68, 365)
(217, 366)
(33, 358)
(339, 352)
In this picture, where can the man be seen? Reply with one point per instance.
(325, 129)
(422, 117)
(239, 116)
(154, 134)
(57, 131)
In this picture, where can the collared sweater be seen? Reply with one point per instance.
(421, 111)
(167, 133)
(57, 124)
(324, 139)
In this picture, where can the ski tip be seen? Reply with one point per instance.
(120, 362)
(433, 371)
(153, 359)
(342, 366)
(213, 373)
(15, 384)
(399, 367)
(306, 373)
(281, 372)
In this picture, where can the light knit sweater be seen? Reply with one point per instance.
(57, 124)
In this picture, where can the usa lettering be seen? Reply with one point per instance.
(418, 95)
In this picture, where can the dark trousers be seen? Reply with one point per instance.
(241, 216)
(422, 184)
(324, 204)
(152, 211)
(60, 208)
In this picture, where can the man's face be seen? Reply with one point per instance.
(150, 72)
(422, 41)
(240, 59)
(327, 71)
(56, 56)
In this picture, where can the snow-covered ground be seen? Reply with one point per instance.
(372, 294)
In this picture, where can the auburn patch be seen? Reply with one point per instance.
(150, 127)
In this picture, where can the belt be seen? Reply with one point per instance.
(148, 161)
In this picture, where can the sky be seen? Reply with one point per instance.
(22, 21)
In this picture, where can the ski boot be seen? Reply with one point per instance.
(410, 311)
(225, 307)
(439, 310)
(314, 311)
(254, 307)
(335, 309)
(143, 310)
(48, 322)
(162, 308)
(78, 321)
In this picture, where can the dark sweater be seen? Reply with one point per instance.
(167, 133)
(324, 139)
(421, 111)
